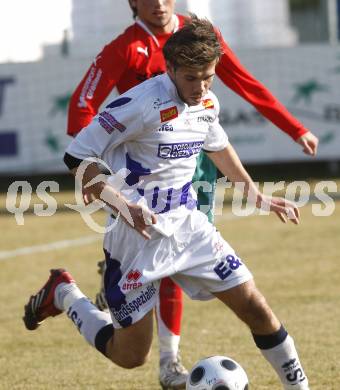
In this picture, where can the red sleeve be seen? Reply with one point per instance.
(98, 82)
(235, 76)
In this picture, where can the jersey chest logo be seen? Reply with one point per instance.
(168, 114)
(208, 103)
(179, 149)
(143, 50)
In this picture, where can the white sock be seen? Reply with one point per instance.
(168, 342)
(84, 314)
(285, 360)
(66, 294)
(168, 347)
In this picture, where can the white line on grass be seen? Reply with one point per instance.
(50, 246)
(28, 250)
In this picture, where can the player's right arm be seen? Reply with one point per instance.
(98, 82)
(99, 188)
(107, 131)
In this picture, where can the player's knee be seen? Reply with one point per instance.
(128, 358)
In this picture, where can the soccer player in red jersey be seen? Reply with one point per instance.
(133, 57)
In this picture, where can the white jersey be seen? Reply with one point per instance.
(150, 133)
(155, 137)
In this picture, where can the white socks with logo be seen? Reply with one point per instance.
(85, 315)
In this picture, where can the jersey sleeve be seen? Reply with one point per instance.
(98, 82)
(235, 76)
(216, 138)
(121, 121)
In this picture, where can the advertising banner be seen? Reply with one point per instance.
(306, 79)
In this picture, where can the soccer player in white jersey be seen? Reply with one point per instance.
(150, 137)
(132, 57)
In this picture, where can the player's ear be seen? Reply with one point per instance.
(133, 6)
(133, 3)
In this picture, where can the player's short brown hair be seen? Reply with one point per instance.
(195, 45)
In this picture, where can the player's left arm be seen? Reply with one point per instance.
(235, 76)
(228, 162)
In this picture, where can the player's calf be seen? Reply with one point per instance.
(131, 346)
(269, 335)
(251, 307)
(127, 347)
(60, 293)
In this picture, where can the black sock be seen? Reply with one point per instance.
(102, 337)
(270, 340)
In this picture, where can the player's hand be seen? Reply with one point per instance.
(283, 208)
(88, 195)
(309, 143)
(141, 218)
(92, 189)
(137, 216)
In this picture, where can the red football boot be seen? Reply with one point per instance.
(41, 305)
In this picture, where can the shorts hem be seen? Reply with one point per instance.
(135, 319)
(235, 283)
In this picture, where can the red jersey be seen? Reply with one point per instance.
(136, 55)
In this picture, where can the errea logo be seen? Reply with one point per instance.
(132, 280)
(134, 275)
(166, 127)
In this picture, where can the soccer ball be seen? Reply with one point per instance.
(217, 373)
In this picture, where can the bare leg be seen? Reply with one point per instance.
(251, 307)
(130, 347)
(269, 335)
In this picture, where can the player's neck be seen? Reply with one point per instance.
(160, 30)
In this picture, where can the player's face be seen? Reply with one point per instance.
(192, 83)
(156, 14)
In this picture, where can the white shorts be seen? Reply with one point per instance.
(196, 257)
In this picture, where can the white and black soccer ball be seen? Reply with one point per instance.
(217, 373)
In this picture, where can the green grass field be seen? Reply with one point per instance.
(295, 266)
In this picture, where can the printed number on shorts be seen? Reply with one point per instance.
(226, 267)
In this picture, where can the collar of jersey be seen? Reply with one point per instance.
(153, 36)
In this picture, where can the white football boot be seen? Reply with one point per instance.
(172, 374)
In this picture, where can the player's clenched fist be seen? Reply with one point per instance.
(141, 217)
